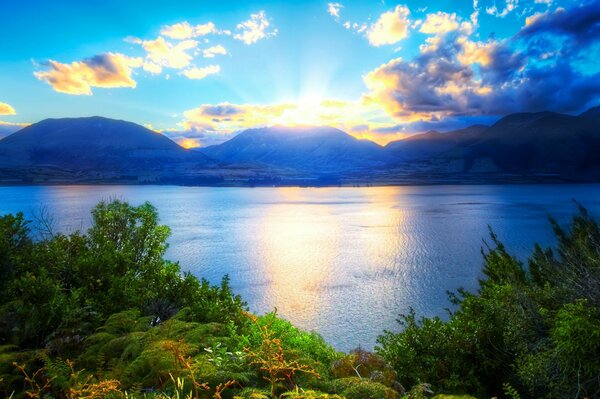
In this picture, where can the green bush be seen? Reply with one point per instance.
(364, 364)
(254, 393)
(97, 296)
(360, 388)
(307, 347)
(308, 394)
(534, 328)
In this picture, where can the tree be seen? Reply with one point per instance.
(535, 329)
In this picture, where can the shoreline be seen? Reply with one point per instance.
(372, 179)
(500, 182)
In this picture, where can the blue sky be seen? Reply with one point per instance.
(199, 71)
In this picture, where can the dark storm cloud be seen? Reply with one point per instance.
(581, 24)
(456, 76)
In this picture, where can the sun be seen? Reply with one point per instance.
(188, 143)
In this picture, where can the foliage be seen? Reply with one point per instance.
(131, 322)
(63, 287)
(364, 364)
(58, 290)
(129, 349)
(420, 391)
(533, 329)
(510, 391)
(271, 359)
(103, 314)
(443, 396)
(305, 347)
(308, 394)
(253, 393)
(361, 388)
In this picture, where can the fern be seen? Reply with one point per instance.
(510, 391)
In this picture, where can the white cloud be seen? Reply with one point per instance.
(439, 23)
(390, 28)
(355, 26)
(509, 6)
(214, 50)
(184, 30)
(214, 123)
(254, 29)
(151, 67)
(166, 54)
(7, 109)
(334, 9)
(201, 73)
(108, 70)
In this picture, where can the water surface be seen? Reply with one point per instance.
(342, 261)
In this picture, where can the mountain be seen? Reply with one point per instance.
(542, 142)
(317, 149)
(592, 113)
(99, 150)
(432, 143)
(521, 143)
(93, 144)
(541, 146)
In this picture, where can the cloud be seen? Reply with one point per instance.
(226, 117)
(151, 67)
(201, 73)
(162, 53)
(492, 9)
(212, 124)
(390, 28)
(440, 82)
(439, 23)
(184, 30)
(110, 70)
(334, 9)
(581, 24)
(6, 109)
(196, 138)
(7, 128)
(481, 53)
(214, 50)
(254, 29)
(456, 76)
(359, 28)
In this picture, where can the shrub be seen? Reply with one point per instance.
(360, 388)
(535, 329)
(360, 363)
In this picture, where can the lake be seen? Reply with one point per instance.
(341, 261)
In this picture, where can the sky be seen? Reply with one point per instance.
(201, 71)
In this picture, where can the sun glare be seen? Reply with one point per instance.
(189, 143)
(307, 112)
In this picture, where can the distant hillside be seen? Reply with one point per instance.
(592, 113)
(322, 149)
(7, 129)
(543, 146)
(432, 143)
(521, 143)
(543, 142)
(93, 144)
(99, 150)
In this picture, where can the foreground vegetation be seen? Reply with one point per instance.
(102, 314)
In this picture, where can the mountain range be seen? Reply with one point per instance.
(544, 146)
(324, 149)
